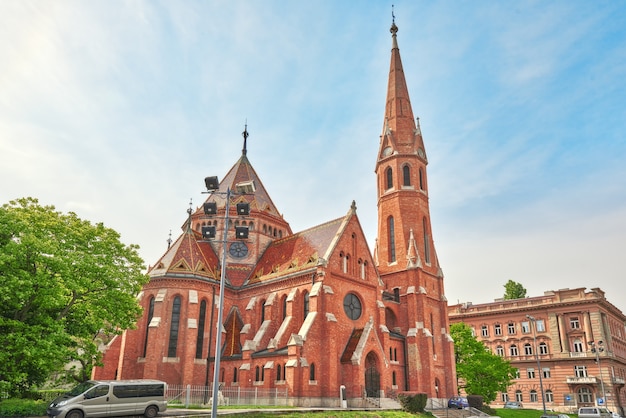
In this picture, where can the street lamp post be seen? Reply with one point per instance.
(208, 232)
(543, 399)
(597, 349)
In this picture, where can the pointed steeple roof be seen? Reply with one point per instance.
(243, 173)
(399, 130)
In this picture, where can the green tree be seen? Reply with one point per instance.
(482, 372)
(514, 290)
(65, 285)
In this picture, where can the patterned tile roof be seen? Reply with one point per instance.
(188, 256)
(296, 252)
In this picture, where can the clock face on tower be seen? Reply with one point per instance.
(238, 249)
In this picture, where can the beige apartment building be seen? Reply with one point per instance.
(570, 342)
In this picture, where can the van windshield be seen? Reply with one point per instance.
(80, 388)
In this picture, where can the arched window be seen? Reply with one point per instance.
(150, 315)
(391, 231)
(528, 349)
(278, 370)
(519, 396)
(578, 346)
(257, 374)
(200, 337)
(421, 175)
(262, 308)
(549, 396)
(500, 351)
(173, 342)
(284, 306)
(305, 304)
(235, 370)
(312, 371)
(513, 350)
(426, 242)
(543, 348)
(389, 178)
(406, 175)
(585, 395)
(533, 395)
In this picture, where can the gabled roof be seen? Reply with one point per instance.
(296, 252)
(187, 256)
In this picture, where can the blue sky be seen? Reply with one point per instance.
(117, 110)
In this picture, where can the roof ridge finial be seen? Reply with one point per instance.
(245, 134)
(394, 28)
(189, 211)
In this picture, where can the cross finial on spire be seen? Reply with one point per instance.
(189, 211)
(245, 134)
(169, 240)
(394, 28)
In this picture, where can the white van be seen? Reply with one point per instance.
(102, 398)
(593, 412)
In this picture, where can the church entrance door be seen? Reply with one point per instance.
(372, 377)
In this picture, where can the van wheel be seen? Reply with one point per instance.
(151, 412)
(75, 413)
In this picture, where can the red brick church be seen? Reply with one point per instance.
(310, 311)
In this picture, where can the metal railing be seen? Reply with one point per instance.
(196, 395)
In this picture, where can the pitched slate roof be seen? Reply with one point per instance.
(297, 252)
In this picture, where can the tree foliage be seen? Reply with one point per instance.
(65, 284)
(514, 290)
(482, 372)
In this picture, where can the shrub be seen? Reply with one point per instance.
(22, 408)
(475, 401)
(413, 402)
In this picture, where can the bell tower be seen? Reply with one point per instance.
(404, 232)
(405, 252)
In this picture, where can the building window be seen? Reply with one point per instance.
(513, 350)
(262, 309)
(504, 397)
(525, 327)
(200, 337)
(312, 372)
(540, 325)
(546, 372)
(530, 373)
(511, 328)
(257, 374)
(574, 323)
(543, 348)
(421, 179)
(517, 374)
(549, 396)
(585, 395)
(500, 351)
(406, 175)
(519, 397)
(150, 315)
(284, 306)
(484, 330)
(391, 231)
(175, 320)
(352, 307)
(528, 349)
(533, 396)
(235, 370)
(389, 177)
(497, 329)
(426, 242)
(278, 370)
(305, 304)
(580, 371)
(393, 379)
(578, 346)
